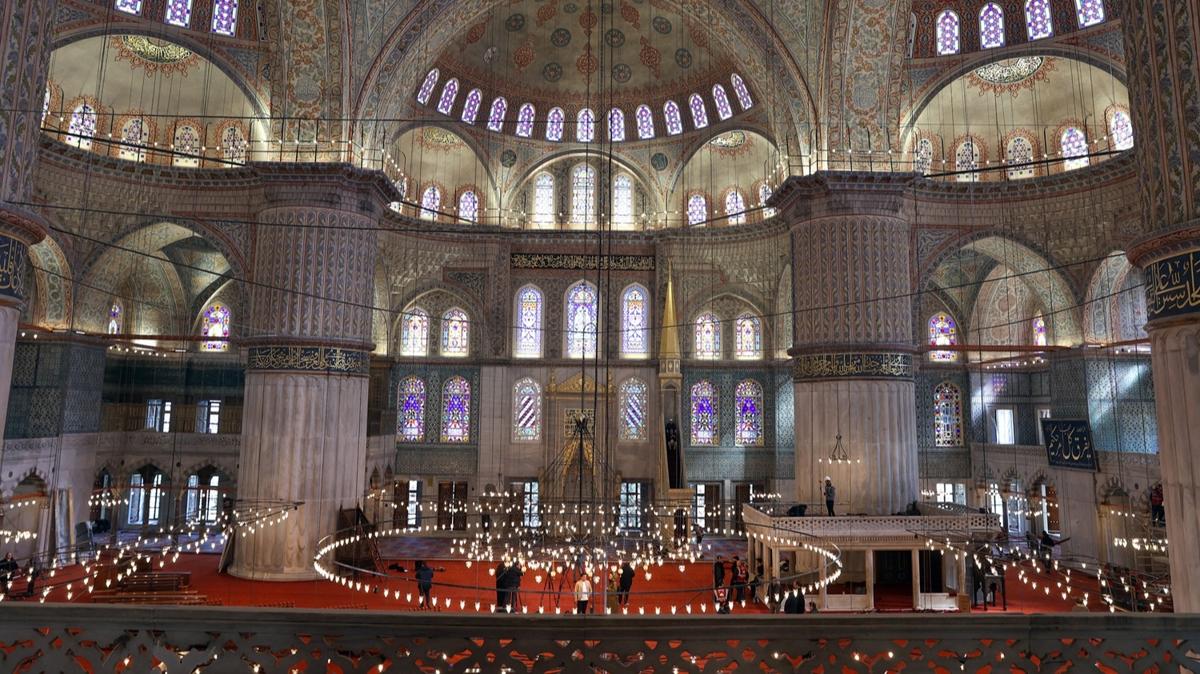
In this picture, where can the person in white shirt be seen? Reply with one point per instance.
(583, 592)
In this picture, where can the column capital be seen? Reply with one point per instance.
(22, 224)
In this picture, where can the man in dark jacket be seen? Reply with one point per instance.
(501, 588)
(512, 585)
(794, 604)
(625, 585)
(719, 572)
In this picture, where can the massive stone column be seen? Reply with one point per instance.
(1162, 38)
(853, 346)
(304, 428)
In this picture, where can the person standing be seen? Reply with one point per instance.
(8, 569)
(501, 588)
(830, 493)
(1158, 514)
(626, 584)
(512, 587)
(583, 593)
(741, 581)
(424, 583)
(718, 572)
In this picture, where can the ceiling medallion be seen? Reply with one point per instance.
(154, 56)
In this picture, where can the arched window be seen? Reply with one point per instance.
(707, 339)
(471, 106)
(635, 319)
(179, 13)
(468, 206)
(554, 124)
(582, 318)
(616, 125)
(431, 202)
(224, 17)
(456, 333)
(966, 161)
(735, 208)
(585, 126)
(747, 337)
(129, 7)
(645, 122)
(1039, 331)
(583, 195)
(496, 114)
(414, 333)
(203, 505)
(527, 410)
(1038, 21)
(116, 319)
(674, 121)
(46, 105)
(724, 110)
(943, 331)
(1120, 127)
(704, 414)
(82, 127)
(137, 493)
(743, 94)
(748, 406)
(991, 26)
(764, 193)
(456, 410)
(699, 111)
(154, 499)
(427, 86)
(527, 342)
(449, 93)
(233, 142)
(215, 326)
(697, 210)
(947, 33)
(410, 419)
(525, 116)
(622, 202)
(1090, 12)
(947, 415)
(1019, 154)
(633, 397)
(543, 199)
(186, 146)
(923, 157)
(1074, 148)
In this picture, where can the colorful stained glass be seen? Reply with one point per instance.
(410, 419)
(527, 410)
(947, 415)
(635, 317)
(1019, 155)
(233, 143)
(543, 199)
(449, 94)
(616, 125)
(645, 122)
(1120, 127)
(697, 210)
(707, 337)
(456, 410)
(743, 94)
(582, 320)
(427, 86)
(583, 195)
(471, 106)
(947, 33)
(735, 208)
(179, 13)
(585, 126)
(699, 111)
(674, 121)
(115, 319)
(923, 157)
(186, 146)
(1039, 331)
(224, 17)
(554, 124)
(82, 127)
(496, 114)
(468, 206)
(943, 331)
(966, 161)
(525, 116)
(129, 6)
(456, 333)
(991, 26)
(135, 136)
(705, 431)
(748, 406)
(215, 326)
(622, 202)
(1074, 148)
(527, 342)
(1038, 21)
(1090, 12)
(747, 337)
(633, 396)
(414, 333)
(724, 110)
(431, 203)
(764, 193)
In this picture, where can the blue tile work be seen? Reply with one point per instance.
(1023, 391)
(56, 389)
(434, 457)
(727, 461)
(785, 425)
(133, 380)
(1120, 402)
(943, 462)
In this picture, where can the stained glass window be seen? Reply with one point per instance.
(496, 114)
(410, 420)
(215, 326)
(743, 94)
(1074, 148)
(747, 337)
(708, 336)
(456, 410)
(129, 6)
(414, 333)
(585, 126)
(186, 146)
(427, 86)
(82, 127)
(943, 331)
(699, 111)
(616, 125)
(179, 12)
(431, 202)
(527, 343)
(527, 410)
(748, 404)
(1039, 331)
(224, 17)
(635, 317)
(697, 210)
(468, 206)
(923, 157)
(674, 121)
(233, 142)
(449, 93)
(735, 208)
(543, 199)
(947, 415)
(991, 26)
(456, 333)
(134, 138)
(1038, 22)
(724, 110)
(622, 202)
(1018, 152)
(633, 396)
(582, 320)
(554, 124)
(1090, 12)
(525, 116)
(947, 33)
(966, 161)
(704, 414)
(471, 106)
(1120, 127)
(764, 193)
(46, 105)
(583, 195)
(645, 122)
(115, 319)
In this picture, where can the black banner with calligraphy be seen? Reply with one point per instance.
(1173, 286)
(1069, 444)
(13, 254)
